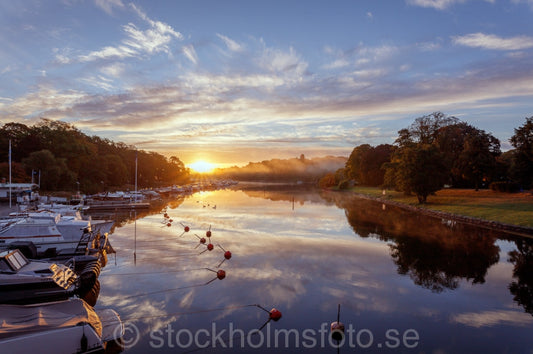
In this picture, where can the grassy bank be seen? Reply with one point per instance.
(514, 209)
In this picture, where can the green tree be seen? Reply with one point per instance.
(54, 171)
(470, 154)
(354, 165)
(417, 169)
(522, 167)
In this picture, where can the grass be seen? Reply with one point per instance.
(508, 208)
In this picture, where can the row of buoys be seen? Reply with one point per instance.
(273, 315)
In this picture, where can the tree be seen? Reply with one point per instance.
(425, 129)
(416, 169)
(355, 162)
(468, 153)
(54, 171)
(477, 161)
(522, 167)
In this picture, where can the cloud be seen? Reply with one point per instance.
(529, 2)
(436, 4)
(155, 39)
(107, 5)
(490, 41)
(230, 43)
(279, 61)
(493, 318)
(190, 53)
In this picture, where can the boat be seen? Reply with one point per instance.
(48, 240)
(24, 281)
(70, 326)
(69, 221)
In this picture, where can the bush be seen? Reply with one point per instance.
(505, 187)
(345, 184)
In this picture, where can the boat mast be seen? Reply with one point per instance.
(9, 173)
(135, 175)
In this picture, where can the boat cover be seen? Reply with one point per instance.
(18, 320)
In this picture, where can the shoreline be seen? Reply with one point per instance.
(516, 230)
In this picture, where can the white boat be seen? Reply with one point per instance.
(69, 222)
(48, 240)
(70, 326)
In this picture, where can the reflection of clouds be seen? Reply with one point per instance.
(294, 261)
(493, 318)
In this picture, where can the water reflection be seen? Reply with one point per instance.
(435, 253)
(522, 286)
(306, 261)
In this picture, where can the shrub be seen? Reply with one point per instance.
(505, 187)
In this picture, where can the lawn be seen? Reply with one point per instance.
(509, 208)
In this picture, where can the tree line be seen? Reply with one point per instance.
(438, 150)
(66, 159)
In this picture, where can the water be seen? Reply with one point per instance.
(405, 283)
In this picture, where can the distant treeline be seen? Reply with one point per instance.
(284, 170)
(66, 159)
(438, 150)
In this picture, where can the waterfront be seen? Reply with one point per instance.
(404, 282)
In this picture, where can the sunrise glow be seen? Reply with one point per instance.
(201, 166)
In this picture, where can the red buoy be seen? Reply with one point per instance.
(221, 274)
(186, 229)
(274, 314)
(210, 246)
(208, 233)
(227, 254)
(337, 327)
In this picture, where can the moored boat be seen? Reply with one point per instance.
(70, 326)
(24, 281)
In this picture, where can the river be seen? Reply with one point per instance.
(404, 282)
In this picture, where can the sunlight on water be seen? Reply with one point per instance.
(298, 252)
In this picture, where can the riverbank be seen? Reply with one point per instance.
(504, 211)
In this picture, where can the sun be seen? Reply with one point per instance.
(201, 166)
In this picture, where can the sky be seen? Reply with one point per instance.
(249, 80)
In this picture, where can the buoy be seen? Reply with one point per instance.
(208, 232)
(337, 328)
(221, 274)
(210, 246)
(169, 224)
(227, 255)
(274, 314)
(185, 229)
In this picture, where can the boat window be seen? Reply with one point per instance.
(21, 259)
(16, 260)
(13, 262)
